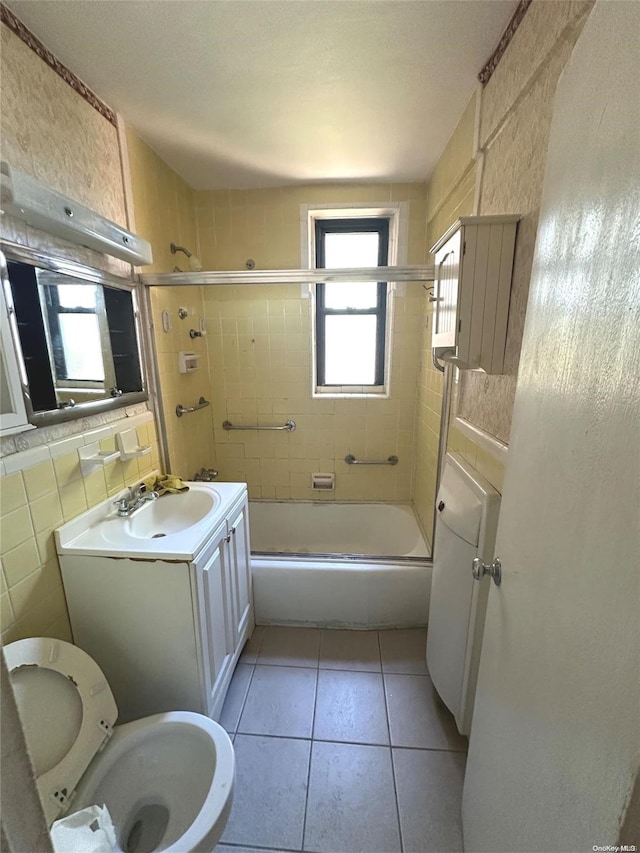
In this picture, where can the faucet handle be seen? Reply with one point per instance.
(142, 492)
(122, 504)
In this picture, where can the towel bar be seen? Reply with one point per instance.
(289, 426)
(185, 410)
(351, 460)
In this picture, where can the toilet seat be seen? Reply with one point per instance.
(75, 723)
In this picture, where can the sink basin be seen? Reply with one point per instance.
(165, 516)
(173, 527)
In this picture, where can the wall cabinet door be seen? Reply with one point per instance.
(445, 317)
(241, 557)
(13, 415)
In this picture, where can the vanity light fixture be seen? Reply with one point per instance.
(37, 205)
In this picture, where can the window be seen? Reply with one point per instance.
(350, 318)
(71, 311)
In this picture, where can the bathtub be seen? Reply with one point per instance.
(342, 565)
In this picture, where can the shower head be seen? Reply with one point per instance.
(194, 262)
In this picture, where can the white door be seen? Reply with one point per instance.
(555, 740)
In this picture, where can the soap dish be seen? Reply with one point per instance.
(128, 445)
(91, 457)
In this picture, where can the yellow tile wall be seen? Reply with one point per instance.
(190, 438)
(165, 213)
(260, 354)
(49, 131)
(484, 462)
(450, 195)
(264, 224)
(163, 206)
(35, 501)
(515, 114)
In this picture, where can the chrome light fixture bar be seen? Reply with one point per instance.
(311, 276)
(37, 205)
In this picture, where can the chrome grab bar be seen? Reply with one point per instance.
(184, 410)
(351, 460)
(289, 426)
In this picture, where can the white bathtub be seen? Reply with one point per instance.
(338, 564)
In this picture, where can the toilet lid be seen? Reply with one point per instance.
(67, 712)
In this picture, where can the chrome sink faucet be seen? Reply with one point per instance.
(133, 500)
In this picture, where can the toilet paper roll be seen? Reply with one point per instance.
(89, 830)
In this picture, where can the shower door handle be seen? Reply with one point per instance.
(480, 569)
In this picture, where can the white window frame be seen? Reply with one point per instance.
(397, 213)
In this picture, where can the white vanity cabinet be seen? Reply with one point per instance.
(166, 632)
(473, 262)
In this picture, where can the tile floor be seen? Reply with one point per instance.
(342, 746)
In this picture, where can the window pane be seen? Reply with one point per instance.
(350, 349)
(346, 251)
(77, 296)
(339, 294)
(81, 344)
(357, 249)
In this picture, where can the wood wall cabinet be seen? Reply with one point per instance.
(166, 633)
(474, 262)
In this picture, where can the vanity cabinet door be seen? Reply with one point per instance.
(241, 557)
(216, 622)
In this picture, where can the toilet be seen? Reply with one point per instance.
(167, 780)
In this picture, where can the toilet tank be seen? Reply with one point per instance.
(466, 523)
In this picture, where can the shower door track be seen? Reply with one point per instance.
(328, 555)
(233, 278)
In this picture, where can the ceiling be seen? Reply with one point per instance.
(256, 93)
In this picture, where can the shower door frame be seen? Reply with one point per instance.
(234, 278)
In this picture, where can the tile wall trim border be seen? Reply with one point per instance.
(28, 458)
(498, 449)
(66, 445)
(492, 63)
(25, 35)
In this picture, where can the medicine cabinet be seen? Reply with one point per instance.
(72, 341)
(473, 268)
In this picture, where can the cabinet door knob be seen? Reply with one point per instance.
(480, 569)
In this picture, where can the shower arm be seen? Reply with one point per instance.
(194, 262)
(174, 248)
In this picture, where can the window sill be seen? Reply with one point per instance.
(351, 392)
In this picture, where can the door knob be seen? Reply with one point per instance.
(494, 570)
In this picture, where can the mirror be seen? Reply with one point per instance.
(75, 331)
